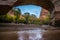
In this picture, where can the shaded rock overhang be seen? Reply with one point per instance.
(47, 4)
(4, 9)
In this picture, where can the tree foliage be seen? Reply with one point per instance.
(17, 13)
(6, 18)
(27, 15)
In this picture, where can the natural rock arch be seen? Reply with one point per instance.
(43, 3)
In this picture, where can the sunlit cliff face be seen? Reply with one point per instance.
(44, 13)
(11, 13)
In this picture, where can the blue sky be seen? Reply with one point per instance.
(32, 9)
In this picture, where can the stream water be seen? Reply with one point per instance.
(30, 35)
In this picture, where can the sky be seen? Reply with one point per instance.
(32, 9)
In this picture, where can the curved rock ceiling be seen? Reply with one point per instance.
(44, 3)
(6, 5)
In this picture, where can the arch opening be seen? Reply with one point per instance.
(28, 14)
(46, 6)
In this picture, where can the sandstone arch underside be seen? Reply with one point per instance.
(5, 7)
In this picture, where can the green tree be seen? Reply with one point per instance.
(37, 21)
(27, 15)
(32, 18)
(23, 20)
(17, 13)
(6, 18)
(2, 18)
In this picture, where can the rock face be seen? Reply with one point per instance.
(7, 2)
(57, 5)
(56, 16)
(4, 9)
(43, 14)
